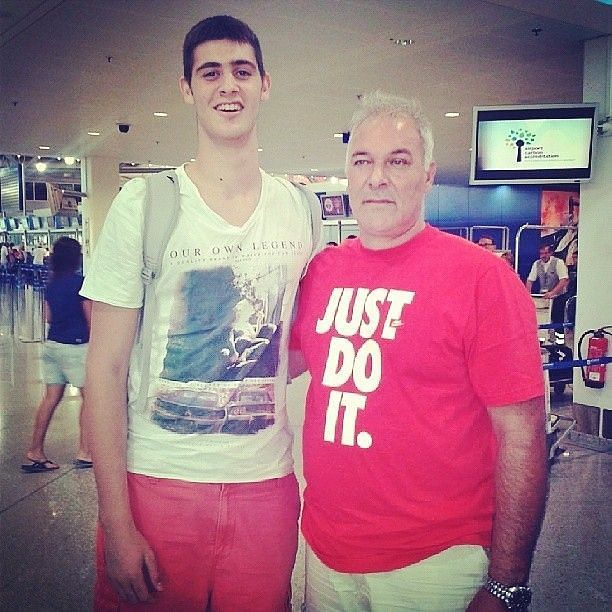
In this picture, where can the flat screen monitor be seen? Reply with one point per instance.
(332, 205)
(532, 144)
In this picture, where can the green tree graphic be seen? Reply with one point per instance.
(518, 139)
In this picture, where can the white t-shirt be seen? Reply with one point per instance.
(216, 410)
(38, 256)
(3, 255)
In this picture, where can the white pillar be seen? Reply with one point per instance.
(594, 301)
(101, 182)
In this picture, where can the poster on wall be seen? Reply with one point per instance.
(333, 206)
(559, 208)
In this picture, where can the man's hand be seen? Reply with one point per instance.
(131, 566)
(485, 602)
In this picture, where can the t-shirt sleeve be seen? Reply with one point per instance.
(533, 275)
(562, 270)
(502, 346)
(113, 275)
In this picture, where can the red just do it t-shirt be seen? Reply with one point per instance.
(407, 347)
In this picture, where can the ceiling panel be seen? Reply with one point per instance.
(57, 81)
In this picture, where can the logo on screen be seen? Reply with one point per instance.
(518, 139)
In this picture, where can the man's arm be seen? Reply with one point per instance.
(557, 289)
(86, 306)
(297, 363)
(532, 276)
(520, 492)
(127, 553)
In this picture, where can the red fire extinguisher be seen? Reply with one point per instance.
(594, 375)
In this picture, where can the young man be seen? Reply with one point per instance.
(198, 503)
(424, 437)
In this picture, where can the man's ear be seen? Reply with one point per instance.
(430, 175)
(265, 87)
(185, 88)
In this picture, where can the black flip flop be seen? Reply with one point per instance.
(82, 464)
(39, 466)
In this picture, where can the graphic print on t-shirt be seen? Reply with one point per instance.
(222, 352)
(373, 315)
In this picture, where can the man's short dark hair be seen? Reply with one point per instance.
(66, 256)
(219, 27)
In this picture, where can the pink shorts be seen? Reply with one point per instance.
(225, 547)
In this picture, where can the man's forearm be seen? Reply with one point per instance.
(521, 485)
(559, 287)
(107, 423)
(112, 336)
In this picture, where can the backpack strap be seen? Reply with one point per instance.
(161, 210)
(311, 202)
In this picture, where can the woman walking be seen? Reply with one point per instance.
(64, 352)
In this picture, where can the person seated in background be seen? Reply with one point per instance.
(486, 242)
(552, 276)
(507, 257)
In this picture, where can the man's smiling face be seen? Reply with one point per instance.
(226, 89)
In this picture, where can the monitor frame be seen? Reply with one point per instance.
(510, 176)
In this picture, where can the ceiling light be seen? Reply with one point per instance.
(94, 133)
(338, 135)
(452, 114)
(69, 160)
(314, 169)
(160, 114)
(402, 42)
(41, 166)
(260, 149)
(43, 147)
(192, 159)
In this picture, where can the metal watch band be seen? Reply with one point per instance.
(515, 598)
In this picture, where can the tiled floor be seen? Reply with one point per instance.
(47, 520)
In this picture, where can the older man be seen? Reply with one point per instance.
(424, 438)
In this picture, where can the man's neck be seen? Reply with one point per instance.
(378, 243)
(226, 168)
(227, 177)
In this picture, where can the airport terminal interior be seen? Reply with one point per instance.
(473, 64)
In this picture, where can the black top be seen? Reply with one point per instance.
(68, 323)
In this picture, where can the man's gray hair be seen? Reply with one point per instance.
(379, 103)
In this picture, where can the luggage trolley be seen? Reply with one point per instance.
(554, 433)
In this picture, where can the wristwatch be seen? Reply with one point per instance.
(515, 597)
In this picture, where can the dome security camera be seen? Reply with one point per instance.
(124, 128)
